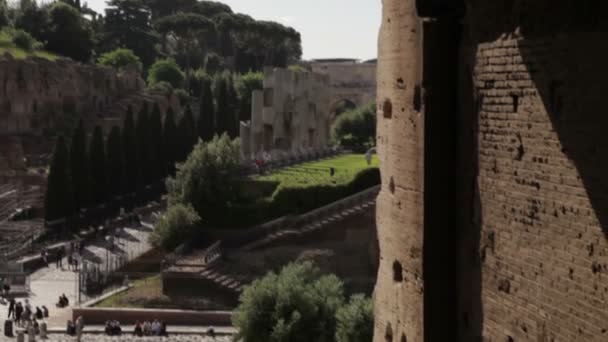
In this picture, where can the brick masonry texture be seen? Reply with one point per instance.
(532, 201)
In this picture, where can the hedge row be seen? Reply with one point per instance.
(290, 199)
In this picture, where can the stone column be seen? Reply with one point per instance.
(399, 288)
(257, 121)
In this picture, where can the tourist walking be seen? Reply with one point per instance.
(79, 327)
(18, 312)
(59, 255)
(44, 256)
(11, 309)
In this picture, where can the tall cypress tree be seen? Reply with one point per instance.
(156, 151)
(115, 171)
(143, 147)
(206, 117)
(129, 149)
(187, 133)
(59, 199)
(78, 167)
(221, 105)
(97, 167)
(232, 123)
(170, 141)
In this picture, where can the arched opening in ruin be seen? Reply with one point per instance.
(341, 106)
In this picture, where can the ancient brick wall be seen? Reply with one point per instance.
(540, 149)
(532, 192)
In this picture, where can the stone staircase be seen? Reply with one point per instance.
(217, 272)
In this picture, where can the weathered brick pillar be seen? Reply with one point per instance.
(399, 289)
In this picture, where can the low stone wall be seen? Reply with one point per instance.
(98, 316)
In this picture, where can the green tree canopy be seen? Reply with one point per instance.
(187, 133)
(177, 225)
(5, 20)
(127, 24)
(356, 128)
(69, 35)
(97, 167)
(33, 19)
(208, 178)
(157, 156)
(245, 85)
(355, 321)
(121, 59)
(166, 70)
(59, 198)
(298, 305)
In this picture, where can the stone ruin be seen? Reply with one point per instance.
(289, 117)
(38, 97)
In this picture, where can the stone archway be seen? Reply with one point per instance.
(342, 105)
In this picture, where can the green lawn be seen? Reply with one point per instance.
(6, 45)
(346, 167)
(147, 293)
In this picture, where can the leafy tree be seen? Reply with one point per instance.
(69, 34)
(206, 120)
(157, 157)
(33, 19)
(211, 9)
(25, 41)
(222, 106)
(208, 178)
(129, 147)
(97, 167)
(187, 133)
(142, 131)
(170, 141)
(163, 8)
(213, 64)
(127, 24)
(115, 162)
(166, 70)
(59, 197)
(185, 27)
(355, 321)
(4, 14)
(78, 166)
(298, 305)
(245, 85)
(178, 225)
(356, 128)
(121, 59)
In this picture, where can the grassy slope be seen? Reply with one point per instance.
(346, 167)
(6, 45)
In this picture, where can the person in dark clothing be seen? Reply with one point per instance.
(45, 312)
(11, 309)
(59, 256)
(39, 314)
(18, 312)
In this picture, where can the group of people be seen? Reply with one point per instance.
(147, 328)
(75, 328)
(113, 328)
(63, 301)
(74, 254)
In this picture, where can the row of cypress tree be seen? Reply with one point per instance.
(92, 171)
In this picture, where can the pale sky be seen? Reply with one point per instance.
(329, 28)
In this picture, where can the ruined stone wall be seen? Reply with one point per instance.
(35, 93)
(399, 287)
(290, 115)
(352, 81)
(532, 204)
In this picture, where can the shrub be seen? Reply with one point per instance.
(25, 41)
(182, 95)
(297, 305)
(179, 224)
(355, 321)
(356, 129)
(166, 70)
(164, 87)
(207, 180)
(121, 59)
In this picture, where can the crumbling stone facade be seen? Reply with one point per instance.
(492, 219)
(290, 115)
(350, 80)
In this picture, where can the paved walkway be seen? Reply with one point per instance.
(47, 284)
